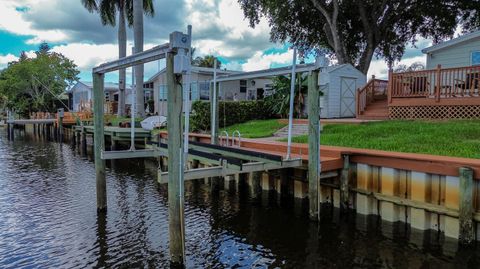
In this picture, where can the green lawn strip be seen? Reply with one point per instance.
(255, 128)
(458, 138)
(115, 121)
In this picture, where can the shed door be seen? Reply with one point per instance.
(347, 96)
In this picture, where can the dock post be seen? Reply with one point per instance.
(8, 131)
(256, 187)
(214, 108)
(83, 142)
(175, 165)
(60, 124)
(466, 233)
(99, 141)
(344, 179)
(314, 168)
(74, 137)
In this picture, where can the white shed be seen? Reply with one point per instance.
(339, 84)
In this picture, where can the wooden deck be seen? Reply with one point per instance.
(441, 93)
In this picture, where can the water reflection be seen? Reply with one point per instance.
(48, 219)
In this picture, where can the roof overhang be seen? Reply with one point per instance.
(272, 72)
(452, 42)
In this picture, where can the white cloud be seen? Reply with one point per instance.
(379, 68)
(86, 56)
(5, 59)
(12, 21)
(261, 60)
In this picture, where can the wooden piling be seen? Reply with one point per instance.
(314, 168)
(99, 140)
(175, 165)
(467, 233)
(83, 142)
(256, 187)
(8, 131)
(344, 181)
(60, 126)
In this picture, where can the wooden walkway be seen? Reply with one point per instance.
(117, 133)
(32, 121)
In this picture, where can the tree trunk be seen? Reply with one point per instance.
(138, 40)
(122, 52)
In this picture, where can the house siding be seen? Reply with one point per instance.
(454, 56)
(77, 90)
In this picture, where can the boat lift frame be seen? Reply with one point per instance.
(228, 160)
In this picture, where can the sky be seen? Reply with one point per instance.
(219, 28)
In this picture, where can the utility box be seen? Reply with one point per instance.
(179, 40)
(181, 62)
(60, 112)
(181, 43)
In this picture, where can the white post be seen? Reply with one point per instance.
(132, 109)
(292, 96)
(186, 97)
(214, 104)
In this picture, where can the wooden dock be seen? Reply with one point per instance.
(117, 133)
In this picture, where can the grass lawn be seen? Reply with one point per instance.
(255, 128)
(459, 138)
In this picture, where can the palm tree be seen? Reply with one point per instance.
(138, 40)
(206, 61)
(108, 10)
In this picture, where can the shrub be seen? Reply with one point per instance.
(236, 112)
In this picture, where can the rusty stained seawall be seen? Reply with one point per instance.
(439, 191)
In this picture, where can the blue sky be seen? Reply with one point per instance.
(219, 29)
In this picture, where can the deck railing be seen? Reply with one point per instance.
(436, 83)
(375, 88)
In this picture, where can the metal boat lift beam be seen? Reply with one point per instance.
(238, 153)
(161, 150)
(153, 54)
(219, 171)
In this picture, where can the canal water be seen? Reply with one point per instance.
(48, 219)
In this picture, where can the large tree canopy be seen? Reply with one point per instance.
(33, 84)
(354, 31)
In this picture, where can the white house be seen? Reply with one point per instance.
(200, 86)
(82, 92)
(338, 84)
(457, 52)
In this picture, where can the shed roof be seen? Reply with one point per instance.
(272, 72)
(452, 42)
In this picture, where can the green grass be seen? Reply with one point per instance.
(115, 121)
(459, 138)
(255, 128)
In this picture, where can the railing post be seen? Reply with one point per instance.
(438, 83)
(390, 85)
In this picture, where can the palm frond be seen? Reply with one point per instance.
(90, 5)
(108, 12)
(148, 9)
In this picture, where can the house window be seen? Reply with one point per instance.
(476, 58)
(204, 90)
(162, 93)
(243, 86)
